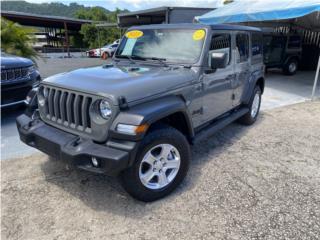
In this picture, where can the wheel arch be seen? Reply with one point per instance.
(170, 110)
(290, 57)
(261, 83)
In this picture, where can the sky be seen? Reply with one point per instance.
(133, 5)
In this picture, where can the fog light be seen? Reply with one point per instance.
(95, 162)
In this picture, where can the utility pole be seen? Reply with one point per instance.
(66, 38)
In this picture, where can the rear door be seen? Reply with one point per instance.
(242, 66)
(217, 84)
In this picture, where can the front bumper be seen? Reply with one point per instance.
(71, 148)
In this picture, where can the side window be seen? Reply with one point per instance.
(256, 46)
(294, 42)
(278, 42)
(221, 43)
(242, 44)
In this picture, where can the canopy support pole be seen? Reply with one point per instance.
(315, 80)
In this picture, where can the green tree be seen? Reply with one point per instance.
(17, 40)
(94, 36)
(90, 35)
(52, 8)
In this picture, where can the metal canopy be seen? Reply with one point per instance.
(303, 14)
(293, 11)
(44, 21)
(160, 15)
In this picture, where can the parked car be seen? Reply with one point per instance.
(109, 51)
(105, 51)
(18, 77)
(138, 116)
(282, 51)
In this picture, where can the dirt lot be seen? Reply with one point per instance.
(259, 182)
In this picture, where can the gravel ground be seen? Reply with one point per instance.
(259, 182)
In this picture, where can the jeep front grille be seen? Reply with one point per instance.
(13, 74)
(67, 108)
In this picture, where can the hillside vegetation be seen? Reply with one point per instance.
(90, 35)
(52, 9)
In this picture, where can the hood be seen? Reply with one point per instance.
(133, 82)
(8, 61)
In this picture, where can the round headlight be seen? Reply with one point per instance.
(41, 97)
(105, 109)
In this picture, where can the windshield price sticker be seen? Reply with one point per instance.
(199, 35)
(134, 34)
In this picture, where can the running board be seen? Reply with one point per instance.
(219, 124)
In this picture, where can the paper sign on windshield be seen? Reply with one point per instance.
(134, 34)
(199, 35)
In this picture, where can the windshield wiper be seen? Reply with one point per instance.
(161, 60)
(138, 57)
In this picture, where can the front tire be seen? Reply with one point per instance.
(254, 108)
(162, 163)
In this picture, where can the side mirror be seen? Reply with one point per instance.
(218, 60)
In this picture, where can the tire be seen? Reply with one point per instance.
(105, 56)
(152, 190)
(291, 67)
(254, 108)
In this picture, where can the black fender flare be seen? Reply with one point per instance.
(149, 113)
(296, 56)
(252, 86)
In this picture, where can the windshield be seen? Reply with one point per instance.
(172, 45)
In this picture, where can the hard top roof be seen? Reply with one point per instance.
(197, 25)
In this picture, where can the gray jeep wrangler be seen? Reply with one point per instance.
(167, 87)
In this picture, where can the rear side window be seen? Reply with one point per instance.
(257, 44)
(294, 42)
(242, 43)
(221, 43)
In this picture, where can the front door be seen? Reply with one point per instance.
(217, 84)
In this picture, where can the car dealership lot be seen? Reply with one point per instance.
(258, 182)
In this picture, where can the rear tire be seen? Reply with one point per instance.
(291, 67)
(254, 107)
(161, 165)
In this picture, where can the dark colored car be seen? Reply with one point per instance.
(18, 77)
(282, 51)
(167, 87)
